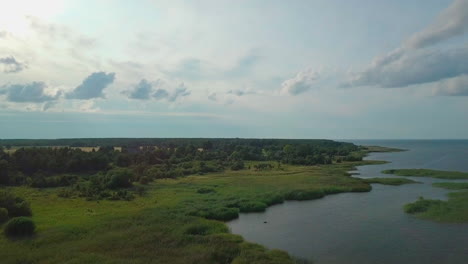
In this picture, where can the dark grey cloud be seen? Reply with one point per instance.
(28, 93)
(302, 82)
(457, 86)
(92, 87)
(452, 22)
(415, 67)
(142, 91)
(11, 65)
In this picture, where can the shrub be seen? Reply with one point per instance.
(237, 165)
(3, 215)
(119, 179)
(20, 226)
(144, 180)
(16, 206)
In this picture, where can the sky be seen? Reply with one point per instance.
(354, 69)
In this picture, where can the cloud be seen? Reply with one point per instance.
(28, 93)
(415, 62)
(3, 34)
(457, 86)
(157, 90)
(452, 22)
(192, 69)
(142, 91)
(212, 97)
(179, 92)
(241, 92)
(59, 32)
(11, 65)
(48, 105)
(92, 86)
(243, 67)
(196, 69)
(160, 94)
(415, 68)
(302, 82)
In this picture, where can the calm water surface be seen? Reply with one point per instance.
(369, 227)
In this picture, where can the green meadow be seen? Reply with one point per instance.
(174, 220)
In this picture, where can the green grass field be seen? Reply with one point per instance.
(169, 224)
(428, 173)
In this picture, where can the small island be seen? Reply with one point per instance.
(428, 173)
(390, 181)
(381, 149)
(454, 210)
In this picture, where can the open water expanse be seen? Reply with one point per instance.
(370, 227)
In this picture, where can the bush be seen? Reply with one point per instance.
(144, 180)
(15, 206)
(237, 165)
(119, 179)
(20, 226)
(3, 215)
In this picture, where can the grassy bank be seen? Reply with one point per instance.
(390, 181)
(451, 185)
(175, 221)
(455, 210)
(428, 173)
(381, 149)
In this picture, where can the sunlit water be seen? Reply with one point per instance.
(369, 227)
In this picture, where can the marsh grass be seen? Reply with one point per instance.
(454, 210)
(390, 181)
(170, 223)
(428, 173)
(451, 185)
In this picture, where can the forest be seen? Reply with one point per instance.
(144, 160)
